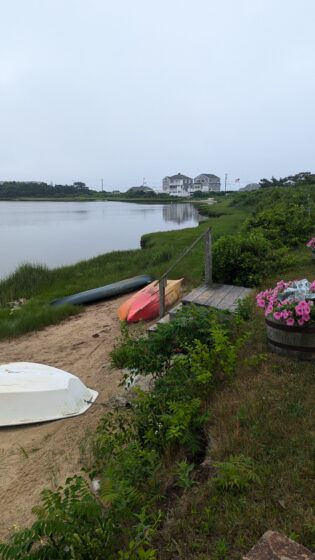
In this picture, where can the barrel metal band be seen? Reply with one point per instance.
(290, 347)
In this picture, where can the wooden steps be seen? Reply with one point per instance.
(218, 296)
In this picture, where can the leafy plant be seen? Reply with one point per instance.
(237, 473)
(284, 224)
(183, 474)
(153, 354)
(245, 259)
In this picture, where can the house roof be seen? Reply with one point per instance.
(209, 175)
(179, 176)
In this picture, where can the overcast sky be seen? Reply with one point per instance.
(126, 89)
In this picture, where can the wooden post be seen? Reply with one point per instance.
(208, 257)
(162, 285)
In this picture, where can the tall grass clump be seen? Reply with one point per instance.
(30, 317)
(26, 281)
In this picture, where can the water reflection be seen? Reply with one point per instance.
(143, 211)
(180, 213)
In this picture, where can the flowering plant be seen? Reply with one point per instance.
(291, 302)
(311, 243)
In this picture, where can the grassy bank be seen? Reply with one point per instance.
(266, 414)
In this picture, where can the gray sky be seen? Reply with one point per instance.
(123, 89)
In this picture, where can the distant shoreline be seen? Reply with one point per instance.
(100, 199)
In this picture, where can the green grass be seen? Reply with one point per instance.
(40, 285)
(266, 414)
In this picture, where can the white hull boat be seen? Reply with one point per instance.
(31, 393)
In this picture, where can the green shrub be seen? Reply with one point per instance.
(152, 355)
(284, 224)
(245, 259)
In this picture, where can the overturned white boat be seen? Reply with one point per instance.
(31, 393)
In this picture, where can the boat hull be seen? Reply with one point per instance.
(31, 393)
(104, 292)
(145, 304)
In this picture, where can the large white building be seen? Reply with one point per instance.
(177, 185)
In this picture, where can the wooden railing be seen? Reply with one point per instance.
(206, 236)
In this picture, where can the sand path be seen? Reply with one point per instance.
(43, 455)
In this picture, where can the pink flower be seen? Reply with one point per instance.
(300, 322)
(277, 315)
(290, 322)
(285, 314)
(261, 303)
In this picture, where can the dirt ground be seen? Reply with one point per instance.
(43, 455)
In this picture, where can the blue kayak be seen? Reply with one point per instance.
(105, 292)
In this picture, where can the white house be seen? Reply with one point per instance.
(177, 185)
(206, 182)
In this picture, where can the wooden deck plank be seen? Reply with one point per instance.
(231, 298)
(194, 294)
(219, 296)
(217, 299)
(245, 292)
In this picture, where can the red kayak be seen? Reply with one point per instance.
(145, 304)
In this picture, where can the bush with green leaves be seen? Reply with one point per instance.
(245, 259)
(152, 355)
(284, 224)
(133, 445)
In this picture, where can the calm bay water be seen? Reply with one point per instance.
(60, 233)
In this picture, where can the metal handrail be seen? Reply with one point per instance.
(206, 235)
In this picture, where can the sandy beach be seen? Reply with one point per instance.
(41, 456)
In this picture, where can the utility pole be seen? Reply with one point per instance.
(225, 181)
(102, 184)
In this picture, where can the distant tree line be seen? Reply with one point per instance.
(305, 177)
(17, 189)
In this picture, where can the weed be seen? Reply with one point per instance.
(237, 473)
(183, 473)
(23, 451)
(221, 550)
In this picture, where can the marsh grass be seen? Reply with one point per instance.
(28, 280)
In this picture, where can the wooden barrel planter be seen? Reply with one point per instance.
(297, 342)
